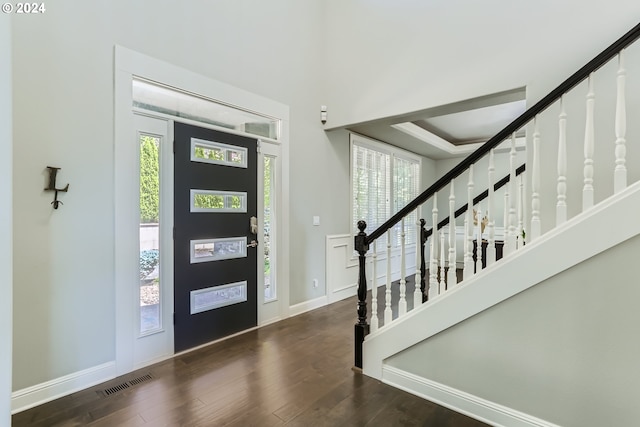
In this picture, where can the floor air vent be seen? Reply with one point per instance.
(141, 379)
(125, 385)
(112, 390)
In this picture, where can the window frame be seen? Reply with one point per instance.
(393, 153)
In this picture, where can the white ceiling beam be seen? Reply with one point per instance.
(434, 140)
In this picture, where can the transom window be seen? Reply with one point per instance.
(162, 99)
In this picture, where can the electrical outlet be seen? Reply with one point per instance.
(315, 283)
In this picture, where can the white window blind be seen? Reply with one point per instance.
(406, 186)
(384, 180)
(371, 188)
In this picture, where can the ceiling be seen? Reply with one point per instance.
(448, 131)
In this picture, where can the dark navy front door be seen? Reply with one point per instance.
(215, 266)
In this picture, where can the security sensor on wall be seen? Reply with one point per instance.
(323, 114)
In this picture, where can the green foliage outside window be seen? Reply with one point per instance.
(267, 182)
(208, 201)
(209, 154)
(149, 180)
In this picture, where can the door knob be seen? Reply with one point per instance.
(253, 244)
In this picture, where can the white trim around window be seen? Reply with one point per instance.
(382, 168)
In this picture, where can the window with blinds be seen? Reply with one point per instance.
(384, 180)
(406, 186)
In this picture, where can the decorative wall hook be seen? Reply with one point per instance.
(52, 186)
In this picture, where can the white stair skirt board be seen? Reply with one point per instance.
(342, 267)
(548, 255)
(459, 401)
(38, 394)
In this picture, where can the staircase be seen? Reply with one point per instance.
(547, 335)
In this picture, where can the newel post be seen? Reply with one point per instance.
(362, 327)
(423, 263)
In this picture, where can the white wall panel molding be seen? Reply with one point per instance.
(342, 267)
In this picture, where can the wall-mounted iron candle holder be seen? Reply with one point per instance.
(52, 186)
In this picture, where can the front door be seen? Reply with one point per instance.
(215, 254)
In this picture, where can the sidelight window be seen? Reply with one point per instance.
(149, 233)
(270, 290)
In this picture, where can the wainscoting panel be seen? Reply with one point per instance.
(342, 266)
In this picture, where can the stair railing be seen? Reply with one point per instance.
(514, 212)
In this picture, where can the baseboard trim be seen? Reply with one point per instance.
(460, 401)
(38, 394)
(303, 307)
(270, 321)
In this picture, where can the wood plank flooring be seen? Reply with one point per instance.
(296, 373)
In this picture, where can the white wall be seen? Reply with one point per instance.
(64, 312)
(389, 58)
(6, 277)
(535, 352)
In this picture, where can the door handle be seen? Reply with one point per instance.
(253, 244)
(253, 225)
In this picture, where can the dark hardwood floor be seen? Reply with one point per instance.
(296, 373)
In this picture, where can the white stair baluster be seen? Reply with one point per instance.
(561, 204)
(374, 290)
(402, 304)
(433, 264)
(442, 284)
(505, 222)
(452, 278)
(620, 173)
(468, 233)
(417, 295)
(387, 296)
(491, 238)
(589, 142)
(511, 238)
(525, 219)
(535, 183)
(479, 219)
(521, 194)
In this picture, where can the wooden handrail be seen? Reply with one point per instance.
(514, 126)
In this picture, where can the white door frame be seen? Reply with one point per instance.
(130, 64)
(277, 309)
(156, 345)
